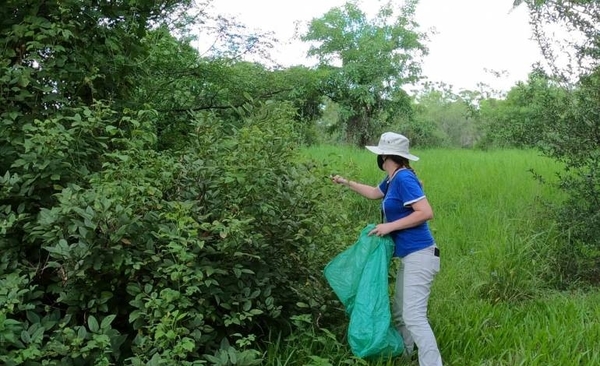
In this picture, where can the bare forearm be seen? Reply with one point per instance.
(362, 189)
(414, 219)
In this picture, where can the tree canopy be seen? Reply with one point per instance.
(368, 61)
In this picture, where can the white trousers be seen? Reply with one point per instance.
(413, 286)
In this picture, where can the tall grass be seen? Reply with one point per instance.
(490, 304)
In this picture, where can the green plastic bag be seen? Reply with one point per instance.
(359, 277)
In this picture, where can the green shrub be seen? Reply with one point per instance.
(172, 257)
(574, 141)
(43, 319)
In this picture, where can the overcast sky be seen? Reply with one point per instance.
(472, 35)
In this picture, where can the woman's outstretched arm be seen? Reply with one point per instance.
(364, 190)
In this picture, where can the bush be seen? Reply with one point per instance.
(166, 257)
(574, 140)
(525, 115)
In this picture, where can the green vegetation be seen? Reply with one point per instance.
(159, 206)
(493, 303)
(378, 57)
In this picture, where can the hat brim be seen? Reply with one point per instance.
(379, 151)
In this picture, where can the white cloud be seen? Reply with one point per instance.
(475, 35)
(472, 35)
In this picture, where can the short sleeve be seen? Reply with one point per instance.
(383, 186)
(410, 190)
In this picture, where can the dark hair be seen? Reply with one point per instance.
(403, 162)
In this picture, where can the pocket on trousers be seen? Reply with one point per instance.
(435, 264)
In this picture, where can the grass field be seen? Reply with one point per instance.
(490, 304)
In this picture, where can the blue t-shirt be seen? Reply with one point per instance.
(401, 192)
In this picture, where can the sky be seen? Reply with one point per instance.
(471, 36)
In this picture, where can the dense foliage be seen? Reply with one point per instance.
(126, 245)
(367, 61)
(563, 120)
(153, 205)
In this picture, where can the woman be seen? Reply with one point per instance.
(405, 212)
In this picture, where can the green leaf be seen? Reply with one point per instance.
(232, 355)
(33, 317)
(93, 324)
(155, 360)
(25, 337)
(237, 272)
(134, 315)
(107, 321)
(38, 335)
(247, 305)
(82, 333)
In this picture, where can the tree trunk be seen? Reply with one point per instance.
(357, 130)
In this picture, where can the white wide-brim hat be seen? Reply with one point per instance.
(391, 143)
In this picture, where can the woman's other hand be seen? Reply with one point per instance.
(382, 229)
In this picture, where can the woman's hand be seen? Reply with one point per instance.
(339, 180)
(382, 229)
